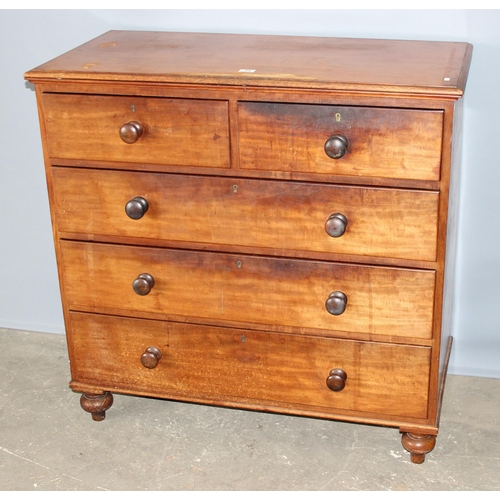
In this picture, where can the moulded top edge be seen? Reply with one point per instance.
(266, 61)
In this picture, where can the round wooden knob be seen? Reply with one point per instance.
(336, 303)
(130, 132)
(136, 207)
(336, 146)
(336, 225)
(150, 357)
(336, 379)
(143, 284)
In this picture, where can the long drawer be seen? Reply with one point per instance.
(188, 132)
(217, 287)
(361, 141)
(276, 370)
(390, 223)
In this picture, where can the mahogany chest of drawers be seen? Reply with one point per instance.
(261, 222)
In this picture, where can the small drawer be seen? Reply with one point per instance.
(186, 132)
(275, 215)
(289, 294)
(195, 362)
(341, 140)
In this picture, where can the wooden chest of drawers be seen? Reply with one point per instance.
(260, 222)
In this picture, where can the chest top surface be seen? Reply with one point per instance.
(393, 66)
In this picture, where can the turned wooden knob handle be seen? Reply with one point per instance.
(336, 303)
(143, 284)
(150, 357)
(137, 207)
(336, 225)
(336, 379)
(130, 132)
(336, 146)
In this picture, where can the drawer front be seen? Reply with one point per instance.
(387, 143)
(251, 213)
(217, 364)
(249, 290)
(174, 131)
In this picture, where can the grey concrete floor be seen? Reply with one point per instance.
(48, 443)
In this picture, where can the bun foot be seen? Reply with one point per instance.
(97, 404)
(418, 445)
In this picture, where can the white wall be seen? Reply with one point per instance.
(29, 295)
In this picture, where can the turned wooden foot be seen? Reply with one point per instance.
(418, 445)
(97, 404)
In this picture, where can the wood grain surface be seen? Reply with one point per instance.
(239, 365)
(251, 290)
